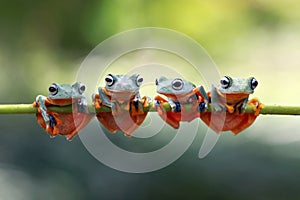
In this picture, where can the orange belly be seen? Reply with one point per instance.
(125, 122)
(233, 122)
(67, 124)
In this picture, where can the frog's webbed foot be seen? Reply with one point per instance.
(139, 105)
(202, 98)
(145, 101)
(128, 135)
(202, 107)
(69, 137)
(82, 106)
(257, 105)
(229, 108)
(157, 104)
(51, 126)
(96, 101)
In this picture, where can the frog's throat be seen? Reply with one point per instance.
(180, 97)
(240, 95)
(120, 94)
(62, 102)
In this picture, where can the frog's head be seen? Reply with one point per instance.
(66, 91)
(237, 85)
(123, 83)
(174, 86)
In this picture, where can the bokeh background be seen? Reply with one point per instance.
(45, 41)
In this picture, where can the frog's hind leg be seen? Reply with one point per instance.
(70, 136)
(171, 119)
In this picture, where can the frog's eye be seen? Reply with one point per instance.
(53, 89)
(156, 82)
(139, 80)
(253, 83)
(109, 80)
(177, 84)
(225, 82)
(81, 88)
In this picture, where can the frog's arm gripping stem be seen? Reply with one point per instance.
(175, 106)
(82, 105)
(40, 101)
(203, 105)
(215, 99)
(203, 93)
(105, 100)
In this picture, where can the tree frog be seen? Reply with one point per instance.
(183, 97)
(232, 97)
(121, 94)
(68, 124)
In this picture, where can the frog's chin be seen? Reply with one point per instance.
(63, 102)
(237, 95)
(177, 95)
(122, 95)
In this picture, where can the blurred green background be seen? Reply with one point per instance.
(45, 41)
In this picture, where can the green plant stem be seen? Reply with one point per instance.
(29, 109)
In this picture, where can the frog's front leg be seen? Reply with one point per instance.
(216, 99)
(49, 120)
(242, 107)
(157, 104)
(257, 105)
(106, 101)
(204, 100)
(82, 105)
(96, 100)
(175, 106)
(40, 102)
(104, 98)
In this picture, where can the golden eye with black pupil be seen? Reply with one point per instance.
(109, 80)
(225, 82)
(53, 89)
(177, 84)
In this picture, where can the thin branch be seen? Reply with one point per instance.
(29, 109)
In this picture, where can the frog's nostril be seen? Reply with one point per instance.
(156, 82)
